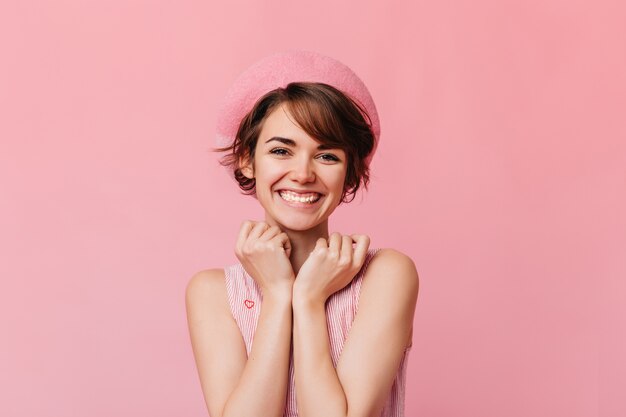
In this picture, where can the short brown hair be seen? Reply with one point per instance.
(323, 112)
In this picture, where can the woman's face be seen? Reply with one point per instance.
(299, 183)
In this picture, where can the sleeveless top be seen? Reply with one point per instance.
(245, 298)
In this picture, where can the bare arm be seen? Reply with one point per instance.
(377, 341)
(234, 385)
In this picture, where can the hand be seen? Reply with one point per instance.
(264, 251)
(330, 267)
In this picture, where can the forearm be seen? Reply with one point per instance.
(318, 388)
(262, 387)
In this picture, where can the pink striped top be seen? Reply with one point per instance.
(245, 298)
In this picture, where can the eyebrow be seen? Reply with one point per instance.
(291, 142)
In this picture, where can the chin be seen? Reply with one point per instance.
(295, 224)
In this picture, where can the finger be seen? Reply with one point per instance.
(244, 231)
(321, 244)
(334, 243)
(270, 233)
(283, 241)
(360, 251)
(286, 244)
(258, 230)
(346, 248)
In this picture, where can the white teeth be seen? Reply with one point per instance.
(307, 198)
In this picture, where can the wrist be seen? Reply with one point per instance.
(278, 293)
(306, 299)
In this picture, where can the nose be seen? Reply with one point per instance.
(302, 171)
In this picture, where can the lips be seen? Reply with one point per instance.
(308, 197)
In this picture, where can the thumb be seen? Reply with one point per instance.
(287, 247)
(321, 243)
(284, 242)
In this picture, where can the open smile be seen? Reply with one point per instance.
(300, 200)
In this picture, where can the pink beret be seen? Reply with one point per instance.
(280, 69)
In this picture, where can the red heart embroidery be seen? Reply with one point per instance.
(249, 303)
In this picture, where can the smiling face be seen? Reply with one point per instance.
(299, 181)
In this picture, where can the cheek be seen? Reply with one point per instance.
(268, 174)
(342, 178)
(336, 181)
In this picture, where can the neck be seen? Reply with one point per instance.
(303, 242)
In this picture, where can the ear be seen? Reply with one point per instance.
(247, 167)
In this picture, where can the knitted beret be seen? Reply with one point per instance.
(280, 69)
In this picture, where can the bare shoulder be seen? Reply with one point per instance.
(204, 280)
(386, 310)
(206, 291)
(392, 268)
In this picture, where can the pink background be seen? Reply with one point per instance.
(500, 171)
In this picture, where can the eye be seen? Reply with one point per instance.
(329, 157)
(279, 151)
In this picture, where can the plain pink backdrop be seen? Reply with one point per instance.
(500, 172)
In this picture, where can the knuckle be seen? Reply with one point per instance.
(274, 229)
(319, 252)
(344, 263)
(273, 248)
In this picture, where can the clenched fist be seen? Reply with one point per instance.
(264, 251)
(331, 266)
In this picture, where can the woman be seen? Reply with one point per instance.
(279, 333)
